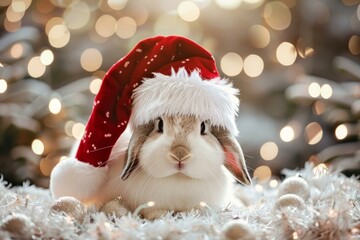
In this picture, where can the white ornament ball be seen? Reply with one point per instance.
(115, 207)
(18, 225)
(71, 207)
(289, 200)
(238, 229)
(295, 185)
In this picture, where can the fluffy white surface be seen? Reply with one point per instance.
(186, 94)
(70, 177)
(332, 211)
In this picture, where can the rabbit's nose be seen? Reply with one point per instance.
(179, 153)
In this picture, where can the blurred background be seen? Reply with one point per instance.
(296, 63)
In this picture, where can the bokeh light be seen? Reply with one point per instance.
(231, 64)
(262, 173)
(228, 4)
(286, 54)
(117, 4)
(273, 183)
(164, 25)
(59, 36)
(354, 43)
(52, 22)
(17, 50)
(14, 16)
(106, 25)
(47, 57)
(55, 105)
(77, 15)
(319, 107)
(277, 15)
(3, 85)
(95, 85)
(37, 147)
(68, 128)
(35, 67)
(314, 133)
(78, 130)
(314, 89)
(259, 36)
(287, 134)
(126, 27)
(326, 91)
(91, 59)
(253, 65)
(269, 151)
(188, 11)
(341, 132)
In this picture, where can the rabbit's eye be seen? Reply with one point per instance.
(160, 126)
(203, 128)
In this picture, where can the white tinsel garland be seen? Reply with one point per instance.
(317, 205)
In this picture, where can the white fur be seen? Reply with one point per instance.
(70, 177)
(186, 94)
(203, 178)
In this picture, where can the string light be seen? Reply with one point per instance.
(37, 147)
(231, 64)
(188, 11)
(3, 86)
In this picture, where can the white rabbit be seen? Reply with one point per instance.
(177, 162)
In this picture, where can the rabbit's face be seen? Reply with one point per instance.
(181, 145)
(184, 146)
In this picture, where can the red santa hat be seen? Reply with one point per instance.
(160, 76)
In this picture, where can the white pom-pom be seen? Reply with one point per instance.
(18, 225)
(295, 185)
(115, 207)
(289, 200)
(238, 229)
(71, 207)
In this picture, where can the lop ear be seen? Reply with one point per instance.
(234, 157)
(137, 139)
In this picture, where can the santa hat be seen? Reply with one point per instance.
(160, 76)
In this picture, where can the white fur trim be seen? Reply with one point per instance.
(71, 177)
(186, 94)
